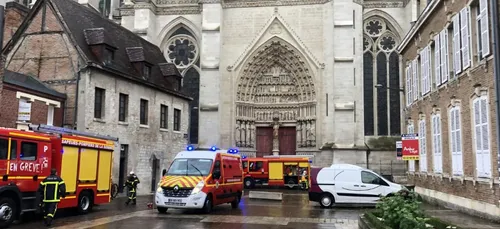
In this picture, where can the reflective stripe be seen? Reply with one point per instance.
(51, 201)
(62, 182)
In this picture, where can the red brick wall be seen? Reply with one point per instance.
(14, 16)
(480, 75)
(39, 110)
(50, 57)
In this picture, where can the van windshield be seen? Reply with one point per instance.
(190, 167)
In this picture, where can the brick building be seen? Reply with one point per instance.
(15, 12)
(450, 99)
(115, 82)
(29, 101)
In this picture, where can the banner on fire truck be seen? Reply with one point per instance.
(410, 147)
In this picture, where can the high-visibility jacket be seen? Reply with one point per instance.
(52, 188)
(132, 182)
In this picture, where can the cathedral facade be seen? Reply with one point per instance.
(291, 77)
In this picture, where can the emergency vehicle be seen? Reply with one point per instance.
(201, 179)
(82, 160)
(275, 171)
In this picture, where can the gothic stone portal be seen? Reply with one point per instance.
(276, 107)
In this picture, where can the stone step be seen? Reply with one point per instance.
(265, 195)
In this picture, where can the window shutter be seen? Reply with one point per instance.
(429, 68)
(485, 137)
(423, 77)
(465, 36)
(457, 61)
(453, 145)
(434, 141)
(440, 145)
(444, 56)
(478, 132)
(485, 29)
(415, 79)
(458, 141)
(437, 59)
(408, 88)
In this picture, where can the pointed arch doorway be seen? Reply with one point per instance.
(275, 101)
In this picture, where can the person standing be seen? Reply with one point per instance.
(52, 188)
(131, 184)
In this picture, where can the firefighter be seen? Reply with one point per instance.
(52, 188)
(131, 184)
(303, 179)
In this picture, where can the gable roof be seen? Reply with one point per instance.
(29, 82)
(77, 18)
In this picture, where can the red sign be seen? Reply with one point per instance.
(410, 147)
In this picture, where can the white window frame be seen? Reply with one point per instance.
(457, 164)
(482, 136)
(425, 70)
(445, 59)
(422, 145)
(414, 68)
(437, 144)
(50, 115)
(437, 60)
(409, 87)
(483, 30)
(465, 35)
(457, 54)
(411, 163)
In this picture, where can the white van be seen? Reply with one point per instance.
(345, 183)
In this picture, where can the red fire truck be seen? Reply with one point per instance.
(275, 171)
(84, 161)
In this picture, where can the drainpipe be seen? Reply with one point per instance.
(496, 68)
(75, 116)
(368, 151)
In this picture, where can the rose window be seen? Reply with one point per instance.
(387, 43)
(182, 51)
(374, 27)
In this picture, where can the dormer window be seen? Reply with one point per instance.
(109, 55)
(146, 71)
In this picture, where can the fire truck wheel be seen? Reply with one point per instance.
(85, 202)
(327, 200)
(207, 208)
(290, 183)
(236, 201)
(249, 182)
(9, 212)
(162, 210)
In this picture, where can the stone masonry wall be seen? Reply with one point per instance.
(463, 90)
(46, 53)
(144, 141)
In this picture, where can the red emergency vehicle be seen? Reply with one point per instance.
(275, 171)
(83, 160)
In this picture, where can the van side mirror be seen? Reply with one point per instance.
(163, 172)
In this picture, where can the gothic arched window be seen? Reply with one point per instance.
(381, 67)
(182, 50)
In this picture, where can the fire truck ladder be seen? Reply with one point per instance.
(59, 130)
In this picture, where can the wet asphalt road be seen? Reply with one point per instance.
(295, 211)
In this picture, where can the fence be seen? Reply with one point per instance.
(386, 168)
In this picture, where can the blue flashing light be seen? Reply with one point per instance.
(232, 151)
(243, 157)
(62, 151)
(190, 148)
(213, 148)
(310, 161)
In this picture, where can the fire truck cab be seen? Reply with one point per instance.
(82, 160)
(275, 171)
(201, 179)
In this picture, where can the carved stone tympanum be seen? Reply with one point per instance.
(275, 87)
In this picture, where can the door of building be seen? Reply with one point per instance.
(122, 176)
(154, 172)
(264, 141)
(288, 140)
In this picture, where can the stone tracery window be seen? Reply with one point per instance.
(381, 66)
(182, 50)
